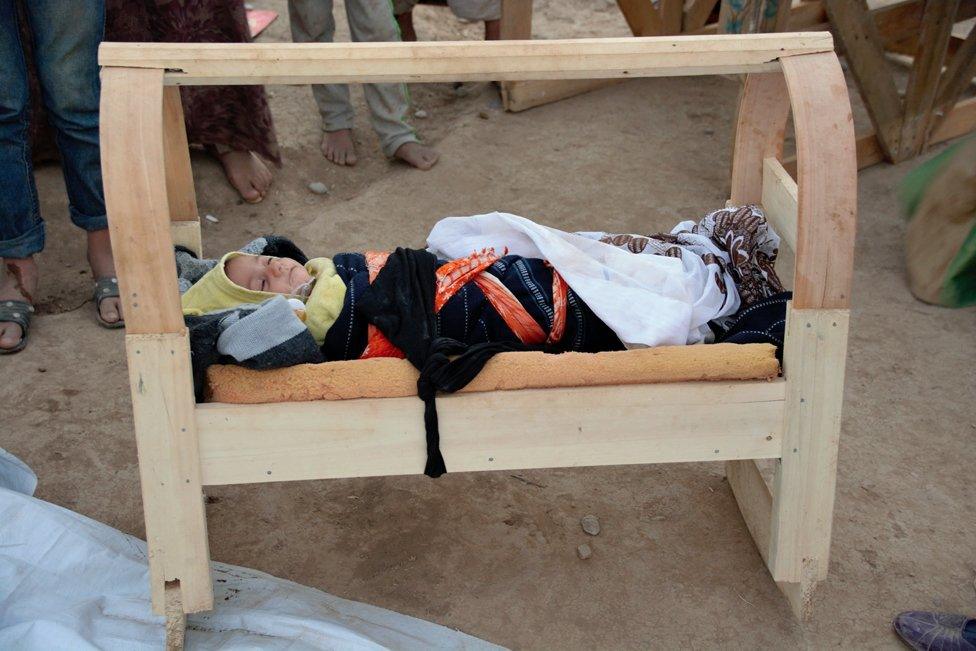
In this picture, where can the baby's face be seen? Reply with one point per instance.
(264, 273)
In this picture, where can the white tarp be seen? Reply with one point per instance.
(69, 582)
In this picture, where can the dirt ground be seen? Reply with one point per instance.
(493, 554)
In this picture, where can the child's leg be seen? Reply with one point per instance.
(312, 22)
(373, 21)
(403, 10)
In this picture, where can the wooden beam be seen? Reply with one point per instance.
(672, 11)
(755, 500)
(180, 194)
(858, 36)
(516, 21)
(900, 24)
(522, 95)
(959, 74)
(779, 201)
(697, 14)
(642, 18)
(923, 81)
(587, 426)
(302, 63)
(960, 120)
(760, 126)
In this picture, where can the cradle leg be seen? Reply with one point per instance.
(169, 469)
(803, 487)
(157, 345)
(175, 617)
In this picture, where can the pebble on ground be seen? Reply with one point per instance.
(590, 524)
(584, 551)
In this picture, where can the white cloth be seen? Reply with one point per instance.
(69, 582)
(647, 300)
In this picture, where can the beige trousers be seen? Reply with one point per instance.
(473, 10)
(369, 21)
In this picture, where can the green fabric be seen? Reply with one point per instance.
(959, 282)
(915, 183)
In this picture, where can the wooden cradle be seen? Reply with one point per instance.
(794, 419)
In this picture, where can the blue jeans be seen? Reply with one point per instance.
(66, 34)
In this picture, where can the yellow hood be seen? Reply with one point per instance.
(215, 292)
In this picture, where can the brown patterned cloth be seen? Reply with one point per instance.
(737, 243)
(236, 117)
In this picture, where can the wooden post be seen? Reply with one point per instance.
(923, 81)
(816, 335)
(858, 36)
(136, 197)
(185, 227)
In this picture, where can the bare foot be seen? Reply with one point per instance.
(338, 147)
(420, 156)
(18, 282)
(247, 173)
(103, 266)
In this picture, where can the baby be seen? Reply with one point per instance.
(481, 298)
(265, 273)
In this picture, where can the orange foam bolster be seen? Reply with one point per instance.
(392, 378)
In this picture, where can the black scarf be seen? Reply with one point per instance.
(400, 302)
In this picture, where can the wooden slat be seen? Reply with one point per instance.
(803, 490)
(642, 18)
(187, 234)
(754, 498)
(960, 120)
(923, 81)
(780, 20)
(697, 13)
(516, 25)
(779, 200)
(169, 468)
(176, 152)
(760, 126)
(516, 21)
(827, 181)
(959, 74)
(858, 35)
(672, 11)
(522, 95)
(134, 179)
(302, 63)
(900, 24)
(532, 428)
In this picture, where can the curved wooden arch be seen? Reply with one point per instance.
(813, 86)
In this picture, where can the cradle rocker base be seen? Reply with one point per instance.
(793, 419)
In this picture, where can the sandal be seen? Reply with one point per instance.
(106, 288)
(18, 312)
